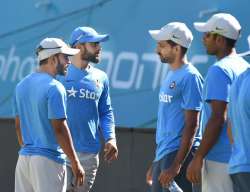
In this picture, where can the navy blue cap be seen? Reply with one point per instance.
(86, 34)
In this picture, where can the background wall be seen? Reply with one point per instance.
(134, 70)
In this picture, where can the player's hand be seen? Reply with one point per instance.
(78, 172)
(110, 150)
(149, 180)
(194, 170)
(169, 174)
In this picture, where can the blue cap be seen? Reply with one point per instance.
(86, 34)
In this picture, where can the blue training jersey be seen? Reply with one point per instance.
(38, 99)
(219, 79)
(239, 115)
(88, 108)
(180, 91)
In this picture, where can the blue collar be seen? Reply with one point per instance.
(75, 73)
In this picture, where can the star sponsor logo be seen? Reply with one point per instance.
(86, 94)
(82, 93)
(72, 92)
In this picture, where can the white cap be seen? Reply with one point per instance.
(51, 46)
(222, 23)
(176, 32)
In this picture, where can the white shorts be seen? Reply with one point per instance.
(39, 174)
(90, 163)
(215, 177)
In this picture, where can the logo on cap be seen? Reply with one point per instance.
(219, 29)
(175, 37)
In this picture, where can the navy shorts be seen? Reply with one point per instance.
(180, 179)
(241, 182)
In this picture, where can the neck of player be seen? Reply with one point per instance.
(79, 63)
(225, 52)
(178, 62)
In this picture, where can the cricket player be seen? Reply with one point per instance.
(43, 134)
(89, 109)
(221, 32)
(178, 112)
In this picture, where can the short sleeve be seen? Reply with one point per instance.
(57, 102)
(191, 92)
(217, 85)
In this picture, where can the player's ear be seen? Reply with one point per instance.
(177, 48)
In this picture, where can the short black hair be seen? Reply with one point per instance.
(43, 62)
(183, 49)
(230, 42)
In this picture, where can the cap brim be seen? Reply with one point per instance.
(96, 38)
(201, 27)
(101, 38)
(156, 35)
(69, 51)
(247, 53)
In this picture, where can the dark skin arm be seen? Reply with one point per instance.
(18, 131)
(191, 125)
(213, 129)
(65, 141)
(229, 132)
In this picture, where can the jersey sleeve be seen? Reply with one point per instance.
(218, 85)
(106, 114)
(56, 102)
(191, 92)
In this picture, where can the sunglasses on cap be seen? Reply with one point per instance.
(40, 48)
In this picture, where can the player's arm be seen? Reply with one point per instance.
(191, 105)
(107, 124)
(17, 121)
(57, 116)
(191, 125)
(212, 132)
(229, 131)
(65, 141)
(217, 96)
(18, 131)
(213, 128)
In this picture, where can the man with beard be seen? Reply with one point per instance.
(178, 111)
(89, 106)
(42, 131)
